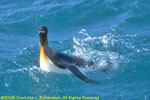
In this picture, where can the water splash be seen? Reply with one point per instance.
(31, 72)
(97, 49)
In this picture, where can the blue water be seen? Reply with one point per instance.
(100, 30)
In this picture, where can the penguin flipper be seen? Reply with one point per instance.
(76, 72)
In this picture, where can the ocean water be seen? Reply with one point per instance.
(115, 31)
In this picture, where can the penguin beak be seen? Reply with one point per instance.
(41, 32)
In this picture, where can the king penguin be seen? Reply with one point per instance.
(53, 61)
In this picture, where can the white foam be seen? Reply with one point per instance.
(6, 85)
(85, 48)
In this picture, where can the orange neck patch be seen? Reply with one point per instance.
(42, 53)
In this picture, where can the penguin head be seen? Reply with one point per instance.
(42, 30)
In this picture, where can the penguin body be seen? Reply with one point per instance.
(53, 61)
(47, 65)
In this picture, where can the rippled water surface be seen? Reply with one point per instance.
(115, 31)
